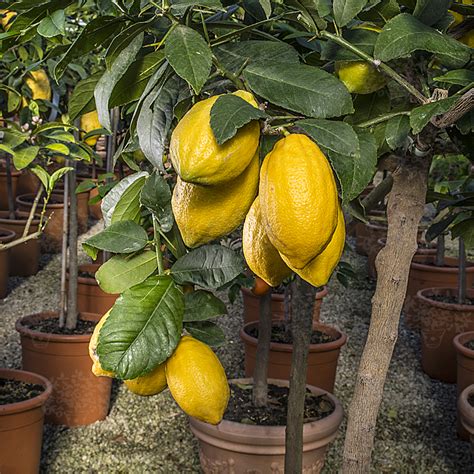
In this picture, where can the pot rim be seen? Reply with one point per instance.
(465, 408)
(25, 405)
(279, 297)
(8, 237)
(14, 172)
(280, 347)
(87, 280)
(435, 269)
(272, 435)
(459, 341)
(18, 219)
(25, 331)
(21, 200)
(420, 295)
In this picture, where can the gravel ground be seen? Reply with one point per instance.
(417, 422)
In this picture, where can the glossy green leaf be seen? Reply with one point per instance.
(362, 39)
(396, 131)
(24, 156)
(464, 229)
(52, 25)
(82, 99)
(459, 77)
(346, 10)
(57, 175)
(58, 148)
(201, 305)
(143, 328)
(156, 197)
(128, 205)
(430, 12)
(206, 331)
(421, 116)
(121, 273)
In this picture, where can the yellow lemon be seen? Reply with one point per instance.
(468, 38)
(39, 85)
(197, 381)
(205, 213)
(5, 18)
(298, 199)
(195, 153)
(457, 18)
(96, 367)
(261, 256)
(359, 77)
(320, 269)
(149, 384)
(89, 122)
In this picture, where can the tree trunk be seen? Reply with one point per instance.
(301, 328)
(439, 260)
(260, 385)
(404, 211)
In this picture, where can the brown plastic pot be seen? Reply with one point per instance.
(4, 188)
(424, 274)
(24, 258)
(322, 358)
(466, 412)
(252, 305)
(6, 236)
(79, 397)
(21, 426)
(90, 297)
(239, 448)
(82, 208)
(440, 323)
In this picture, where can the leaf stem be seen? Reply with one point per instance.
(377, 64)
(229, 75)
(382, 118)
(159, 254)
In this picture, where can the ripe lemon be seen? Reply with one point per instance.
(261, 256)
(359, 77)
(320, 269)
(149, 384)
(89, 122)
(298, 199)
(205, 213)
(97, 369)
(197, 381)
(468, 38)
(39, 85)
(6, 18)
(195, 153)
(457, 18)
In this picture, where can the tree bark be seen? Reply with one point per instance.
(301, 328)
(404, 211)
(260, 384)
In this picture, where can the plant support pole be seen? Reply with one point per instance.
(462, 280)
(64, 256)
(11, 198)
(301, 328)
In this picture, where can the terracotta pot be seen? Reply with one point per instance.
(364, 234)
(239, 448)
(90, 297)
(82, 209)
(79, 397)
(424, 274)
(465, 369)
(6, 236)
(95, 210)
(52, 235)
(28, 183)
(24, 258)
(440, 323)
(3, 188)
(322, 358)
(252, 305)
(21, 426)
(466, 412)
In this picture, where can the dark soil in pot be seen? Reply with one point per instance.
(282, 334)
(51, 326)
(469, 345)
(242, 410)
(450, 299)
(15, 391)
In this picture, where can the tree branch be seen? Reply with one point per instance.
(459, 109)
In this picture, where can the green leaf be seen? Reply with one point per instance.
(421, 116)
(233, 56)
(128, 206)
(346, 10)
(107, 82)
(206, 331)
(459, 77)
(143, 328)
(58, 148)
(121, 273)
(229, 113)
(201, 305)
(396, 131)
(189, 55)
(121, 237)
(305, 89)
(82, 99)
(209, 266)
(431, 11)
(23, 157)
(369, 106)
(53, 25)
(464, 229)
(362, 39)
(41, 173)
(404, 34)
(57, 175)
(180, 6)
(156, 197)
(113, 196)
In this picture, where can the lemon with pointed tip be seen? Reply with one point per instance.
(38, 82)
(89, 122)
(197, 381)
(199, 159)
(261, 256)
(359, 77)
(97, 369)
(149, 384)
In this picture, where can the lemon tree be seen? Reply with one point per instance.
(331, 91)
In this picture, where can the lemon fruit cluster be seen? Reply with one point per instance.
(217, 183)
(296, 223)
(38, 82)
(194, 375)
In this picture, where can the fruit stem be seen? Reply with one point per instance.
(159, 254)
(229, 75)
(377, 64)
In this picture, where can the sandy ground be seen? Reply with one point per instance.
(416, 430)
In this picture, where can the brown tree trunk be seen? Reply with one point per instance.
(405, 209)
(301, 328)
